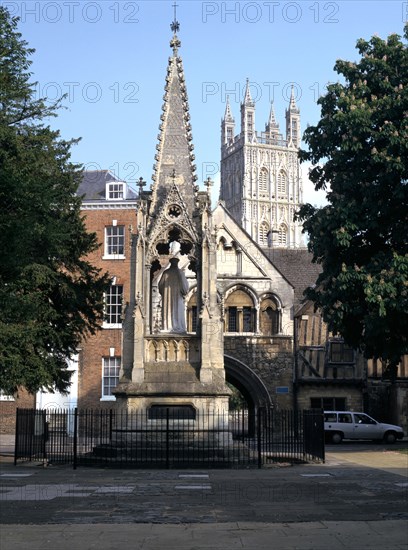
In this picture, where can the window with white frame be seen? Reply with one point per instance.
(110, 375)
(115, 241)
(113, 306)
(115, 191)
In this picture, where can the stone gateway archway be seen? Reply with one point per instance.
(250, 385)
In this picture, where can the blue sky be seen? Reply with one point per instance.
(110, 57)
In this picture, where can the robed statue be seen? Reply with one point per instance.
(173, 287)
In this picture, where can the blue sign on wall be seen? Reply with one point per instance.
(282, 389)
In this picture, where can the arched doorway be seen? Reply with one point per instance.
(250, 385)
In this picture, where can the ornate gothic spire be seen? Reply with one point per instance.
(272, 124)
(248, 98)
(292, 103)
(293, 122)
(174, 158)
(228, 114)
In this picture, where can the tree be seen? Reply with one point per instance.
(50, 295)
(359, 154)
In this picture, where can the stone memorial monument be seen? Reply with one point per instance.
(167, 361)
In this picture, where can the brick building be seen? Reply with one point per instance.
(109, 207)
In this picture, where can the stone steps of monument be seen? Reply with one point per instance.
(219, 463)
(197, 452)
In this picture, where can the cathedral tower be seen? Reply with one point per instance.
(260, 174)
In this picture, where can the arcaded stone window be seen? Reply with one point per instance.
(192, 314)
(247, 319)
(232, 319)
(269, 320)
(239, 312)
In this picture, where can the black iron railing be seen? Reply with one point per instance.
(172, 439)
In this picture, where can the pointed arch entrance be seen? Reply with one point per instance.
(250, 385)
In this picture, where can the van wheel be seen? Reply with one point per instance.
(390, 437)
(337, 437)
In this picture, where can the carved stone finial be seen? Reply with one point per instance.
(175, 44)
(208, 183)
(141, 183)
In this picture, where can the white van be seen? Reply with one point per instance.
(339, 425)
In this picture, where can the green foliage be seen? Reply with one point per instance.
(50, 295)
(237, 401)
(359, 153)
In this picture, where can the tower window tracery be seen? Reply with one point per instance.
(263, 234)
(282, 183)
(263, 181)
(283, 235)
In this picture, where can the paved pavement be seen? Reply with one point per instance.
(356, 500)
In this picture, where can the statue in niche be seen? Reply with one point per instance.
(173, 287)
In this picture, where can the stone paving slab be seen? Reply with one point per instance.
(386, 460)
(346, 503)
(311, 536)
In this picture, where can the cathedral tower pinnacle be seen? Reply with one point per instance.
(293, 122)
(248, 115)
(227, 124)
(272, 127)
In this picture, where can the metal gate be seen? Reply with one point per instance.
(170, 439)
